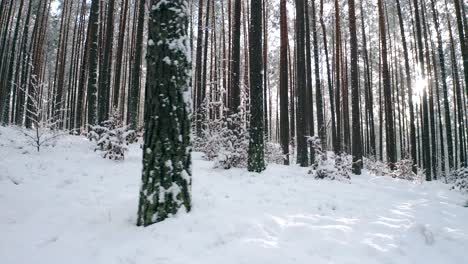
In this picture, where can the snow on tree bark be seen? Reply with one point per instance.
(93, 32)
(256, 160)
(356, 141)
(166, 178)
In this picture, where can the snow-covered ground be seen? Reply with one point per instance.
(68, 205)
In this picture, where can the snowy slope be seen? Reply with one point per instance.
(70, 206)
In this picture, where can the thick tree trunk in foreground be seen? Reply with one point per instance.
(166, 179)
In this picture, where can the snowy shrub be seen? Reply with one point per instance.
(333, 167)
(376, 167)
(329, 165)
(459, 179)
(402, 170)
(274, 153)
(112, 137)
(319, 155)
(224, 141)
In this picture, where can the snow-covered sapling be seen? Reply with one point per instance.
(112, 137)
(224, 141)
(44, 123)
(328, 165)
(459, 179)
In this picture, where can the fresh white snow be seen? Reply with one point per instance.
(68, 205)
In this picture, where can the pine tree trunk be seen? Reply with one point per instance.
(134, 90)
(329, 78)
(93, 34)
(356, 142)
(120, 48)
(413, 146)
(6, 109)
(198, 65)
(166, 179)
(318, 86)
(463, 39)
(234, 97)
(106, 72)
(256, 153)
(390, 129)
(337, 145)
(301, 119)
(284, 90)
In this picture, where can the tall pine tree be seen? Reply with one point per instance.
(256, 159)
(166, 179)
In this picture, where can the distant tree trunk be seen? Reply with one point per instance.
(201, 98)
(431, 107)
(25, 69)
(9, 69)
(329, 78)
(460, 145)
(93, 34)
(369, 92)
(318, 86)
(284, 90)
(356, 143)
(234, 98)
(425, 107)
(106, 71)
(309, 88)
(292, 93)
(81, 88)
(390, 129)
(256, 160)
(302, 157)
(71, 94)
(337, 147)
(265, 70)
(119, 58)
(198, 68)
(37, 55)
(410, 90)
(463, 39)
(134, 90)
(166, 179)
(3, 50)
(439, 110)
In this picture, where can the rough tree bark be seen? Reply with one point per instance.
(166, 179)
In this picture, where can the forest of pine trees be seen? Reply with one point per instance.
(378, 80)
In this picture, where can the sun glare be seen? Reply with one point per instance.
(419, 86)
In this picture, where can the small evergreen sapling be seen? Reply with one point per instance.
(224, 141)
(112, 137)
(44, 123)
(459, 179)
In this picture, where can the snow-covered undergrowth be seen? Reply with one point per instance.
(66, 205)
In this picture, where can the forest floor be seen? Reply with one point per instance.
(68, 205)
